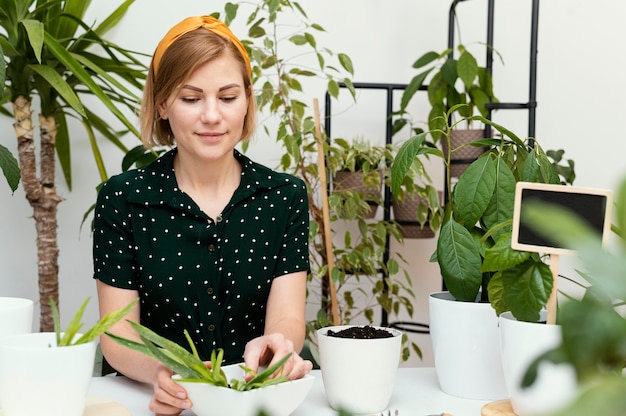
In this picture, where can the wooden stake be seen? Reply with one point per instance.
(552, 300)
(325, 214)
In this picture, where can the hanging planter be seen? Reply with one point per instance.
(464, 156)
(406, 212)
(356, 182)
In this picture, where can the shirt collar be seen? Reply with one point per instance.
(156, 184)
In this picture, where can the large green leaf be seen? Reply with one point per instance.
(414, 85)
(57, 82)
(10, 168)
(527, 288)
(467, 69)
(501, 256)
(113, 19)
(459, 259)
(500, 207)
(34, 29)
(474, 190)
(76, 68)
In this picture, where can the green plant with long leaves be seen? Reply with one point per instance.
(48, 51)
(454, 81)
(593, 327)
(474, 243)
(68, 337)
(276, 26)
(191, 368)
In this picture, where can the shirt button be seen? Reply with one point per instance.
(211, 247)
(209, 291)
(218, 218)
(211, 327)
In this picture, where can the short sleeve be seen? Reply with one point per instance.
(294, 252)
(113, 248)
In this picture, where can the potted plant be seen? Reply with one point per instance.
(453, 81)
(417, 204)
(358, 168)
(47, 51)
(214, 389)
(50, 372)
(593, 329)
(474, 252)
(358, 366)
(359, 253)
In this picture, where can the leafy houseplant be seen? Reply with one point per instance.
(359, 172)
(593, 327)
(189, 365)
(453, 82)
(473, 246)
(280, 82)
(48, 51)
(50, 372)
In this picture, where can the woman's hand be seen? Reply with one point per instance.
(169, 398)
(268, 349)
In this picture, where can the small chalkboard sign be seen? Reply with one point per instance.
(590, 204)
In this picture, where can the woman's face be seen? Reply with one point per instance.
(206, 114)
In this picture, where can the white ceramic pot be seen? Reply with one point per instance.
(16, 316)
(39, 378)
(466, 348)
(521, 343)
(359, 374)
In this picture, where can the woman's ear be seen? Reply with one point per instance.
(162, 111)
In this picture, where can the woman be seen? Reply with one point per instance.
(207, 239)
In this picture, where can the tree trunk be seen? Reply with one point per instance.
(41, 194)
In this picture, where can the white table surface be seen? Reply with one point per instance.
(416, 393)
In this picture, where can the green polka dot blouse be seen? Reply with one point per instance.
(211, 276)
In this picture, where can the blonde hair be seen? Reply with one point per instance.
(185, 55)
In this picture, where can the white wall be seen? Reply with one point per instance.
(580, 87)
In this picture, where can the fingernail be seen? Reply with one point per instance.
(181, 395)
(186, 405)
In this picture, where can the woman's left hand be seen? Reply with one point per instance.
(268, 349)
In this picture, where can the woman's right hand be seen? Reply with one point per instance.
(169, 397)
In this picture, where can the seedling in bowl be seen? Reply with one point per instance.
(191, 368)
(67, 339)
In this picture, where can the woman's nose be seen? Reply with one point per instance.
(210, 112)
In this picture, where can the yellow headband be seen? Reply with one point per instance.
(193, 23)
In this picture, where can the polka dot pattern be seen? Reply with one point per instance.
(211, 276)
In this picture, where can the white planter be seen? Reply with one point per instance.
(521, 343)
(466, 348)
(359, 374)
(16, 316)
(39, 378)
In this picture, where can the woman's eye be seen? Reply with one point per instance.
(189, 99)
(229, 99)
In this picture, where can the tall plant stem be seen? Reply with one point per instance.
(42, 197)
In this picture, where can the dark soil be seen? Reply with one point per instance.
(360, 332)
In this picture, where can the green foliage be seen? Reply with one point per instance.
(460, 83)
(189, 365)
(593, 327)
(280, 80)
(47, 50)
(76, 324)
(474, 243)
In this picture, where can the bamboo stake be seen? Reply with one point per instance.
(552, 301)
(325, 214)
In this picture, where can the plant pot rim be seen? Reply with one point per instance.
(44, 340)
(323, 331)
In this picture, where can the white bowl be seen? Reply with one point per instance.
(276, 400)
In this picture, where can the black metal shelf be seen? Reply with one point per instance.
(530, 106)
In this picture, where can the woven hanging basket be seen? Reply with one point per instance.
(463, 157)
(405, 213)
(353, 181)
